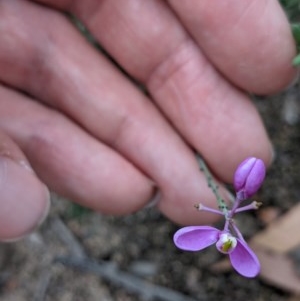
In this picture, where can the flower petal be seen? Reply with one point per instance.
(244, 260)
(195, 238)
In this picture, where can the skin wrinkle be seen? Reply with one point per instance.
(140, 53)
(169, 75)
(249, 5)
(168, 66)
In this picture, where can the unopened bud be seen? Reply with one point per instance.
(248, 177)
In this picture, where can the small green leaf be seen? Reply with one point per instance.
(296, 32)
(296, 60)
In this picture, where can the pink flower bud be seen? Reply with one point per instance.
(248, 177)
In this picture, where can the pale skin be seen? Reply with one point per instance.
(91, 135)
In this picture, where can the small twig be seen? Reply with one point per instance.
(68, 238)
(40, 293)
(133, 284)
(74, 247)
(211, 184)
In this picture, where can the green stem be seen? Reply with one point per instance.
(212, 184)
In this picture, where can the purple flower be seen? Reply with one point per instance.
(247, 180)
(248, 177)
(196, 238)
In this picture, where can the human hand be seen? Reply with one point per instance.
(91, 135)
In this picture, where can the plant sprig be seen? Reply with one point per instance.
(212, 184)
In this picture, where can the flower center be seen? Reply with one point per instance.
(226, 243)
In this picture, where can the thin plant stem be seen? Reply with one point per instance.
(253, 206)
(226, 226)
(212, 184)
(201, 207)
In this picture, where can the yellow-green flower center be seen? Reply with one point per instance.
(226, 243)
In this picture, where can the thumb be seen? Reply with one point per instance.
(24, 201)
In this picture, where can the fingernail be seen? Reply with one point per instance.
(155, 199)
(24, 202)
